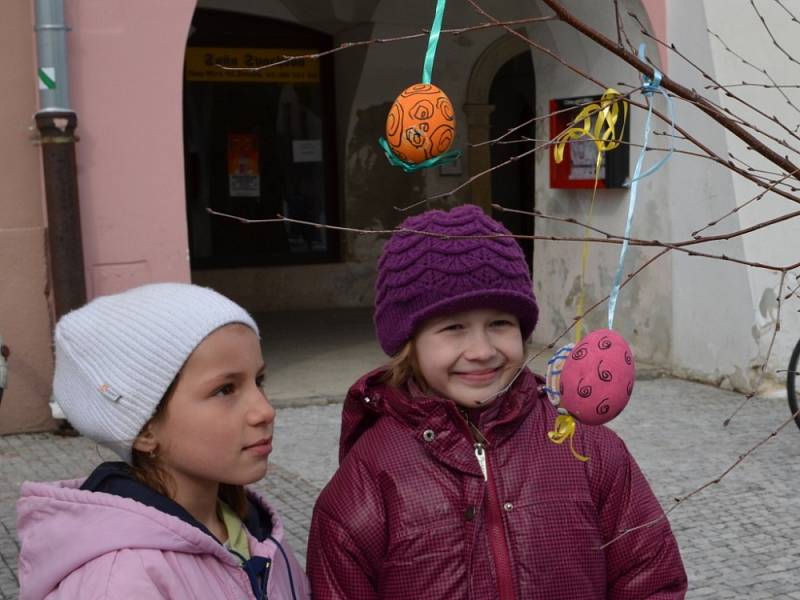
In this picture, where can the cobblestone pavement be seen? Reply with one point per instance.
(739, 538)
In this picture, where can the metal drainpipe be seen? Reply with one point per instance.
(56, 123)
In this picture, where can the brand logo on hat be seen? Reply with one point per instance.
(109, 393)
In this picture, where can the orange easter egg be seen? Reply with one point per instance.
(421, 123)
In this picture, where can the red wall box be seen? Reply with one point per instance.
(577, 170)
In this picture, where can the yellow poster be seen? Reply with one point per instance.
(250, 65)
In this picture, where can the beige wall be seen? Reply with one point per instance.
(24, 294)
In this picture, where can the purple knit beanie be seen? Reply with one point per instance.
(421, 276)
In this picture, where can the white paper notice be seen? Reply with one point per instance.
(307, 151)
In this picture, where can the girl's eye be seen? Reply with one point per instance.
(260, 380)
(502, 323)
(453, 327)
(225, 390)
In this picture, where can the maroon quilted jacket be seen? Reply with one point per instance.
(409, 513)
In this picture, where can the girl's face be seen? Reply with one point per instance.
(217, 425)
(470, 356)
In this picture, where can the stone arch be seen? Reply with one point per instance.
(478, 110)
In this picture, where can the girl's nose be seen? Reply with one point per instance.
(261, 410)
(480, 347)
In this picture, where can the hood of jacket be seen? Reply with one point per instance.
(371, 397)
(64, 524)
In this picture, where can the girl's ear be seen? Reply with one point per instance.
(146, 441)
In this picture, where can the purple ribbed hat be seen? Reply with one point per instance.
(421, 276)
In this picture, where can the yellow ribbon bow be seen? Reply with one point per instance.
(604, 132)
(564, 429)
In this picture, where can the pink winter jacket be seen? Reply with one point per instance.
(79, 544)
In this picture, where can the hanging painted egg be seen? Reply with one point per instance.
(421, 123)
(593, 379)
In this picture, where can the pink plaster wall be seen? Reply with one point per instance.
(24, 300)
(657, 12)
(126, 62)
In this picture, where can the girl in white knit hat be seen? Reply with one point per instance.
(169, 376)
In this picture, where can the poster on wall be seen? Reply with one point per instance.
(244, 180)
(583, 153)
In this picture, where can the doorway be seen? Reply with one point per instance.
(258, 143)
(512, 93)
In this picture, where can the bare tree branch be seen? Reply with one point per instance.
(672, 86)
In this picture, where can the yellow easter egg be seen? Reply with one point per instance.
(421, 123)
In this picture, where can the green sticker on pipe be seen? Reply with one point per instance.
(47, 78)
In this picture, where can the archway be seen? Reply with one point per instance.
(500, 95)
(513, 96)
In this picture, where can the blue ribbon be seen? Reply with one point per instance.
(433, 41)
(650, 86)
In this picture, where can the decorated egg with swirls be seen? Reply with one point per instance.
(421, 123)
(597, 377)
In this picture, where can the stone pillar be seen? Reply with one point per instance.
(479, 158)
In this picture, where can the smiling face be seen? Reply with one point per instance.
(470, 356)
(217, 424)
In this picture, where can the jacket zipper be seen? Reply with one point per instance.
(480, 454)
(257, 580)
(495, 531)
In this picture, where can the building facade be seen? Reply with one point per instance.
(166, 133)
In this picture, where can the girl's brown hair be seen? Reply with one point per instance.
(149, 470)
(404, 367)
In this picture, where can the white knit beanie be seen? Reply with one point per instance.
(117, 356)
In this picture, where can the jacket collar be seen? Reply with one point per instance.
(117, 478)
(435, 422)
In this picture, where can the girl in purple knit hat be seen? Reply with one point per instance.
(448, 486)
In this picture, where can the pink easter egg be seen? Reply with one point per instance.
(597, 377)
